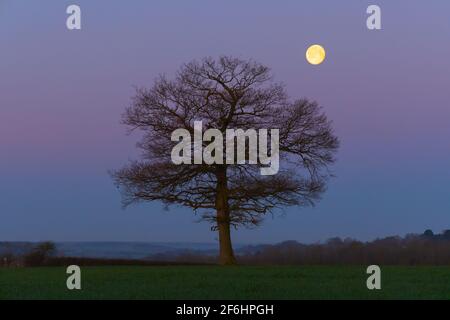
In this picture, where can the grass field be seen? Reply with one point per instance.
(211, 282)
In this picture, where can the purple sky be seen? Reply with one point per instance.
(62, 94)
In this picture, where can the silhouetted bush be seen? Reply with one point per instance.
(7, 259)
(428, 233)
(40, 254)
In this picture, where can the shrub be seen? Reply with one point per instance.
(40, 254)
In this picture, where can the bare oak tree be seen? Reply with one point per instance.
(227, 93)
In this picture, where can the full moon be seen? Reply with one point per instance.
(315, 54)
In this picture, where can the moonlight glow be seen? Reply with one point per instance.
(315, 54)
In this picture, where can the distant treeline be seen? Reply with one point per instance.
(425, 249)
(413, 249)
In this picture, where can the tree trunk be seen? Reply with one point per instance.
(223, 220)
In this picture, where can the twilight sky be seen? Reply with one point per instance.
(62, 94)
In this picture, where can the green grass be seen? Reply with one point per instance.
(211, 282)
